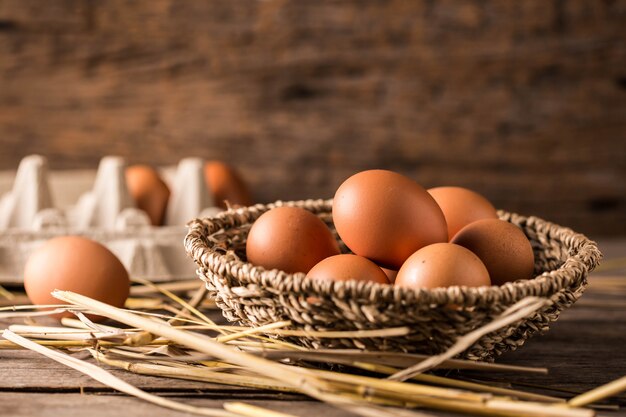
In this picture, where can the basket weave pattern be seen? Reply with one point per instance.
(254, 296)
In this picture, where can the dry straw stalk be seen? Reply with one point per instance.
(321, 384)
(109, 379)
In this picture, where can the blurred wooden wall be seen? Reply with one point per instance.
(523, 101)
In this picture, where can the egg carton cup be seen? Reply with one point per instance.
(253, 296)
(105, 213)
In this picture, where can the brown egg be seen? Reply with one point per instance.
(149, 191)
(78, 264)
(291, 239)
(503, 247)
(461, 207)
(442, 265)
(385, 216)
(391, 274)
(226, 185)
(348, 267)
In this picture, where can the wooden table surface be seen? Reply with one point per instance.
(585, 348)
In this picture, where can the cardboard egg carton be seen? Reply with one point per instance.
(105, 213)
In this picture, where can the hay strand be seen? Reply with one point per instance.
(248, 410)
(514, 313)
(109, 379)
(6, 294)
(323, 384)
(599, 393)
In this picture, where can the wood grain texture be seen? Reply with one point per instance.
(522, 101)
(583, 349)
(586, 342)
(107, 405)
(25, 371)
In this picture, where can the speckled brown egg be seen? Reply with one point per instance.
(442, 265)
(348, 267)
(385, 216)
(291, 239)
(226, 185)
(149, 191)
(503, 247)
(78, 264)
(461, 207)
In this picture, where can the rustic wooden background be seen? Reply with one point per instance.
(522, 101)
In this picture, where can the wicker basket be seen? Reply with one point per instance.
(254, 296)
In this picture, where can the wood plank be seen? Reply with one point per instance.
(24, 370)
(106, 405)
(523, 102)
(583, 349)
(584, 342)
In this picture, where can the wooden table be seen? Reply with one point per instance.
(585, 348)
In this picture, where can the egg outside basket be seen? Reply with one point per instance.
(254, 296)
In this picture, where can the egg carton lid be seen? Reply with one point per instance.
(105, 213)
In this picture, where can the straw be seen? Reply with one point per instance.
(6, 293)
(177, 286)
(252, 330)
(109, 379)
(196, 341)
(599, 393)
(176, 298)
(514, 313)
(248, 410)
(347, 356)
(315, 383)
(193, 374)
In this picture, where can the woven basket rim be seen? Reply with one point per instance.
(584, 257)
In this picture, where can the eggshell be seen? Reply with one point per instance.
(348, 267)
(226, 185)
(149, 191)
(391, 274)
(503, 247)
(461, 207)
(78, 264)
(442, 265)
(385, 216)
(291, 239)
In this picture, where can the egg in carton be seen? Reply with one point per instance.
(107, 214)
